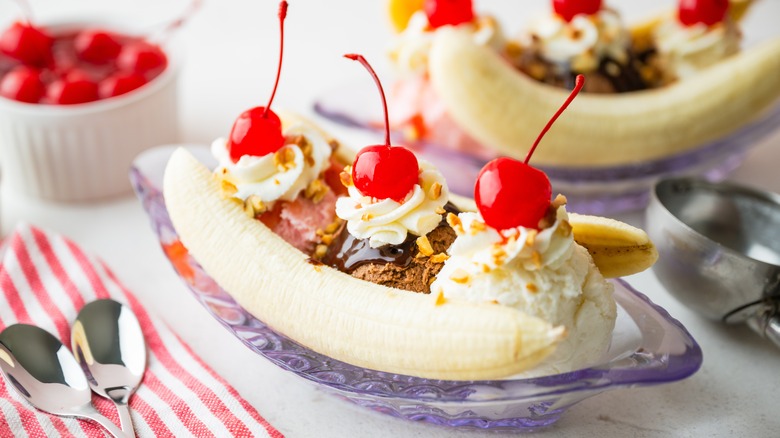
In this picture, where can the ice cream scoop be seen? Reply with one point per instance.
(719, 250)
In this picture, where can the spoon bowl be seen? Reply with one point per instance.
(46, 374)
(108, 343)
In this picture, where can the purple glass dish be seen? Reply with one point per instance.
(649, 347)
(589, 190)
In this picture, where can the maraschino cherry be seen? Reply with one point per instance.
(26, 43)
(23, 84)
(258, 131)
(448, 12)
(709, 12)
(510, 193)
(383, 171)
(568, 9)
(96, 46)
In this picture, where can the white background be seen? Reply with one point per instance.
(231, 50)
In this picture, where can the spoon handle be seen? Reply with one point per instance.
(125, 419)
(94, 415)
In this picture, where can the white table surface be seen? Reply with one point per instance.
(231, 55)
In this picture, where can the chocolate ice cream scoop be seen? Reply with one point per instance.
(401, 266)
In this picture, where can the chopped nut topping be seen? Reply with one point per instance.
(332, 227)
(424, 246)
(440, 298)
(439, 258)
(320, 251)
(536, 257)
(346, 178)
(435, 191)
(316, 190)
(499, 255)
(532, 288)
(476, 227)
(327, 239)
(228, 188)
(254, 206)
(559, 200)
(367, 217)
(565, 229)
(276, 181)
(460, 276)
(284, 159)
(455, 223)
(440, 210)
(485, 268)
(530, 239)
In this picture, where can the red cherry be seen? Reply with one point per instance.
(75, 87)
(709, 12)
(258, 131)
(384, 171)
(141, 57)
(120, 83)
(510, 193)
(448, 12)
(27, 44)
(568, 9)
(96, 46)
(23, 84)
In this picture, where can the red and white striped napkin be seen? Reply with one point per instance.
(45, 279)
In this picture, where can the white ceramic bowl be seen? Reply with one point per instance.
(83, 152)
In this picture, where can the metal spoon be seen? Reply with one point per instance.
(44, 372)
(109, 344)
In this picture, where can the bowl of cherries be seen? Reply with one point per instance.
(78, 101)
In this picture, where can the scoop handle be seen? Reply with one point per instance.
(767, 323)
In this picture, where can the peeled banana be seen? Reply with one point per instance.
(330, 312)
(505, 110)
(359, 322)
(618, 249)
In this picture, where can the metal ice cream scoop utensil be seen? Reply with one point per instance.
(719, 250)
(107, 341)
(43, 371)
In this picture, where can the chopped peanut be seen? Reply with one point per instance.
(435, 191)
(439, 258)
(460, 276)
(424, 246)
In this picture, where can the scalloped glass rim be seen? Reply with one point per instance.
(658, 349)
(608, 189)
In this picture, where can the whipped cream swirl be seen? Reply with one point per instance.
(583, 42)
(278, 176)
(488, 265)
(409, 51)
(386, 221)
(686, 50)
(544, 274)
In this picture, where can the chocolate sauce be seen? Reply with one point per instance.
(347, 253)
(611, 76)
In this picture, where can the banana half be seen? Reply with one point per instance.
(330, 312)
(359, 322)
(505, 109)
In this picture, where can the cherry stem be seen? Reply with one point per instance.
(365, 63)
(580, 82)
(192, 8)
(282, 16)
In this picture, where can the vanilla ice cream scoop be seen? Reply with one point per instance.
(541, 273)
